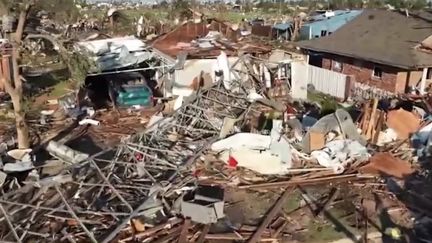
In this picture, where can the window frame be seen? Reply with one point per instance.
(373, 73)
(333, 68)
(358, 64)
(323, 33)
(429, 74)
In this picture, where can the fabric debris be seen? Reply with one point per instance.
(337, 153)
(339, 121)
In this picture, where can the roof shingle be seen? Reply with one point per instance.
(380, 36)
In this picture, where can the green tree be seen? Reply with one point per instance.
(417, 4)
(180, 9)
(14, 86)
(62, 10)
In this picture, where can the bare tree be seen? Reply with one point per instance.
(23, 14)
(14, 89)
(13, 83)
(296, 28)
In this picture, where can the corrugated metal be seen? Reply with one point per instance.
(262, 30)
(327, 81)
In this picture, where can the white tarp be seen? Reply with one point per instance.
(243, 140)
(337, 152)
(267, 155)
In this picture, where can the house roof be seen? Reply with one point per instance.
(337, 14)
(385, 37)
(116, 53)
(282, 26)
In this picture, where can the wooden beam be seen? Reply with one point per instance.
(269, 217)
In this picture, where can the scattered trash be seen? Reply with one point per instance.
(340, 121)
(21, 154)
(88, 121)
(227, 126)
(47, 112)
(205, 206)
(338, 153)
(65, 153)
(178, 102)
(18, 166)
(2, 178)
(387, 136)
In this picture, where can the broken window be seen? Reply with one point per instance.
(357, 64)
(377, 72)
(429, 73)
(323, 32)
(337, 66)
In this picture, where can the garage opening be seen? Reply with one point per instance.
(119, 90)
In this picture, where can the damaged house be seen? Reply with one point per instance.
(388, 52)
(202, 43)
(124, 76)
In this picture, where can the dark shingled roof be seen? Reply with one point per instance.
(380, 36)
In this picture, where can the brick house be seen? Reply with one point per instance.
(385, 50)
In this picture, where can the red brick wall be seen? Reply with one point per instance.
(362, 72)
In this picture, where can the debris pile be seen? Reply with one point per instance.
(172, 180)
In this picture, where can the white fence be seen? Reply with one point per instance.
(323, 80)
(327, 81)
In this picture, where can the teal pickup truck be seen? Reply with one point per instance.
(134, 95)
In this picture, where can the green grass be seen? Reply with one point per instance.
(293, 202)
(319, 232)
(60, 89)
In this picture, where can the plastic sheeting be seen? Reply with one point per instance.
(268, 155)
(243, 140)
(337, 152)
